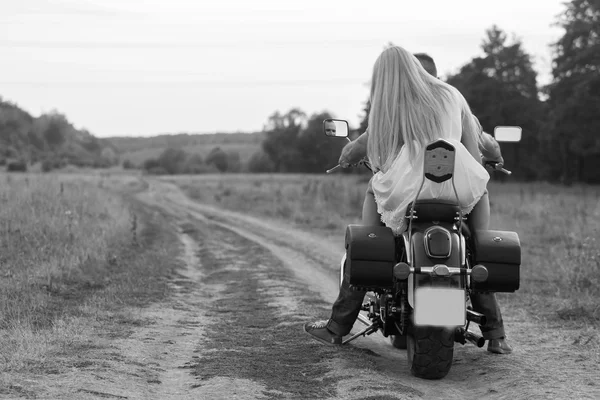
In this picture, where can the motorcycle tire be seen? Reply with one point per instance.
(398, 341)
(430, 351)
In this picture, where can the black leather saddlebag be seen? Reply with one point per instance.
(500, 253)
(370, 256)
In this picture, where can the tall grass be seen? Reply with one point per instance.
(52, 233)
(311, 201)
(558, 226)
(72, 254)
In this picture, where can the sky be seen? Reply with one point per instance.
(149, 67)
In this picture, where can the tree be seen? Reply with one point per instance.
(281, 136)
(172, 160)
(318, 152)
(234, 163)
(56, 129)
(260, 162)
(501, 89)
(574, 94)
(364, 123)
(218, 158)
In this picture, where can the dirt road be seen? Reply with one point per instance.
(233, 329)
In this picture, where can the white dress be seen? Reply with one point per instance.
(396, 188)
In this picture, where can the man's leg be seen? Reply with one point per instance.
(345, 310)
(493, 330)
(347, 306)
(486, 303)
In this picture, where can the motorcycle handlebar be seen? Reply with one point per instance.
(364, 162)
(333, 169)
(494, 166)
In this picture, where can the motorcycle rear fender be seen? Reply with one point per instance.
(417, 257)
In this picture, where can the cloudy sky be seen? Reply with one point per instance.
(145, 67)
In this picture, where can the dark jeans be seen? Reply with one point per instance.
(347, 306)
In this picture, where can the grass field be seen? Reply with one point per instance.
(74, 254)
(558, 227)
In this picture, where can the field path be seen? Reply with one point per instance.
(547, 362)
(232, 329)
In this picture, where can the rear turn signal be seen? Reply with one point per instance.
(479, 273)
(401, 271)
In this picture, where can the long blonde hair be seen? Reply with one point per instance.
(407, 107)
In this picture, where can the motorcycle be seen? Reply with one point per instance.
(418, 284)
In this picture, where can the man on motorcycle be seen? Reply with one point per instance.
(346, 308)
(330, 128)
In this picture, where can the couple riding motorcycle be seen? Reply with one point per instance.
(348, 304)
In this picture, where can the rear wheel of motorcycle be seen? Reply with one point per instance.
(398, 341)
(430, 351)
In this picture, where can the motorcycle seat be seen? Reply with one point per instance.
(435, 210)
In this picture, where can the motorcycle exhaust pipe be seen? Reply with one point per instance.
(461, 336)
(474, 338)
(476, 317)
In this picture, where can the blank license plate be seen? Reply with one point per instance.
(440, 306)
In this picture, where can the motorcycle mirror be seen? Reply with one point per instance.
(507, 133)
(336, 127)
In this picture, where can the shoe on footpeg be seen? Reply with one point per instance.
(318, 330)
(499, 346)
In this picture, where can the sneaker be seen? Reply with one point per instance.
(499, 346)
(318, 330)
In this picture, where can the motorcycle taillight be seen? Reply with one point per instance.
(438, 242)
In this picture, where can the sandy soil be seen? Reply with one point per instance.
(233, 330)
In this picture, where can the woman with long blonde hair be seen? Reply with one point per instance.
(409, 109)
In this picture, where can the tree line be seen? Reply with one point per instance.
(561, 121)
(50, 140)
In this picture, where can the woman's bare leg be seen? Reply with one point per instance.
(370, 216)
(479, 218)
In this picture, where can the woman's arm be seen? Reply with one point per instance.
(362, 139)
(354, 151)
(469, 140)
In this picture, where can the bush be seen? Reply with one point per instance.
(260, 162)
(47, 166)
(172, 160)
(16, 166)
(200, 169)
(151, 163)
(128, 165)
(52, 163)
(157, 171)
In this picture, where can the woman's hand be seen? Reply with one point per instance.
(352, 153)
